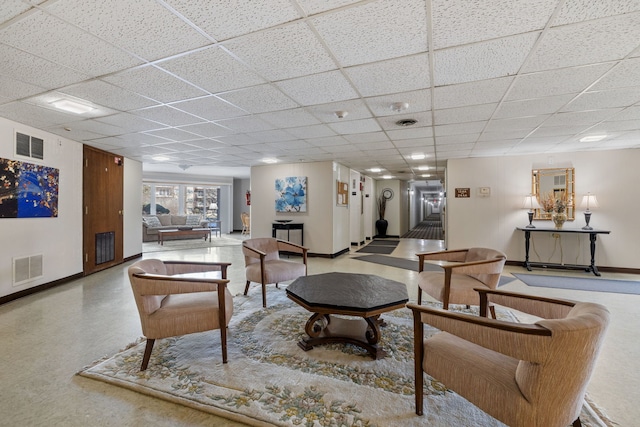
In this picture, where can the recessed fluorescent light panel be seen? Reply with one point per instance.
(387, 176)
(160, 158)
(269, 160)
(593, 138)
(417, 156)
(72, 106)
(423, 168)
(375, 170)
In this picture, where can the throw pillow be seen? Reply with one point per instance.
(193, 220)
(165, 219)
(152, 221)
(178, 219)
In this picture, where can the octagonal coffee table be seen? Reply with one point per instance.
(347, 294)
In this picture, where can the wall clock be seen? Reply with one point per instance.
(387, 193)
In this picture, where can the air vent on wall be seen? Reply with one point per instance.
(29, 146)
(26, 269)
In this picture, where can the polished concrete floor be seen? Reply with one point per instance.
(47, 337)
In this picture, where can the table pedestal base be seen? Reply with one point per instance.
(325, 329)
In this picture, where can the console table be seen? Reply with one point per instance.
(288, 226)
(592, 239)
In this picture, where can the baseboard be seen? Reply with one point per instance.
(132, 257)
(622, 270)
(334, 255)
(25, 292)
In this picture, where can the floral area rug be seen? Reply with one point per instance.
(269, 380)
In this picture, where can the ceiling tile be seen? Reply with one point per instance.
(173, 134)
(259, 99)
(457, 139)
(97, 127)
(631, 113)
(318, 88)
(212, 69)
(75, 133)
(317, 131)
(208, 130)
(328, 141)
(623, 97)
(314, 6)
(143, 27)
(480, 61)
(208, 144)
(532, 107)
(275, 135)
(464, 94)
(410, 133)
(224, 19)
(154, 83)
(472, 113)
(503, 134)
(375, 31)
(556, 82)
(381, 145)
(527, 123)
(355, 108)
(389, 122)
(167, 116)
(367, 137)
(459, 128)
(28, 68)
(419, 100)
(209, 108)
(556, 131)
(289, 118)
(580, 117)
(12, 89)
(460, 22)
(418, 142)
(624, 74)
(355, 126)
(239, 139)
(111, 96)
(395, 75)
(46, 36)
(129, 122)
(11, 8)
(245, 124)
(601, 40)
(584, 10)
(283, 52)
(33, 115)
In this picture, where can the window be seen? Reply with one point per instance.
(202, 201)
(180, 200)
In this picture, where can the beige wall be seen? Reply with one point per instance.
(478, 221)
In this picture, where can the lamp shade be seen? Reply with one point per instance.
(530, 202)
(589, 201)
(213, 206)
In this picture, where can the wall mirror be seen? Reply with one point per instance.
(550, 186)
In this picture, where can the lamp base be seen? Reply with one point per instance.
(587, 218)
(530, 213)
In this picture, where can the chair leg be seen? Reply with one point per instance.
(492, 309)
(264, 295)
(147, 354)
(246, 288)
(577, 423)
(277, 286)
(223, 342)
(419, 295)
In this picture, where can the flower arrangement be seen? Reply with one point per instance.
(382, 206)
(553, 203)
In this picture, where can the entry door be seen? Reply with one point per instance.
(102, 204)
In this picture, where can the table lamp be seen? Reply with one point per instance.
(531, 202)
(588, 201)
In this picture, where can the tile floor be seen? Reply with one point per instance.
(47, 337)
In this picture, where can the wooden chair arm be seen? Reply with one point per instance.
(518, 340)
(475, 267)
(252, 252)
(546, 308)
(457, 255)
(180, 267)
(284, 245)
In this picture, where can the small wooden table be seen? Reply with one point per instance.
(194, 232)
(349, 294)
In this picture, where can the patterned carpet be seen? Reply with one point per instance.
(430, 229)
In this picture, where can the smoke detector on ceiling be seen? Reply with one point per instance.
(399, 106)
(341, 114)
(406, 122)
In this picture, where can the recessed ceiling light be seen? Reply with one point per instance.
(423, 168)
(387, 176)
(72, 106)
(160, 158)
(375, 170)
(399, 106)
(269, 160)
(417, 156)
(406, 122)
(593, 138)
(425, 175)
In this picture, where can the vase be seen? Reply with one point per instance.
(381, 226)
(559, 218)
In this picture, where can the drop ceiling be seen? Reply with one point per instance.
(217, 86)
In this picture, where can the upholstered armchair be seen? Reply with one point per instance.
(523, 374)
(263, 263)
(462, 271)
(171, 305)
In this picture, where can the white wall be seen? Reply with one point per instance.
(132, 226)
(59, 239)
(326, 226)
(396, 212)
(356, 223)
(370, 215)
(491, 221)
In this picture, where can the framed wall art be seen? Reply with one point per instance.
(291, 194)
(28, 190)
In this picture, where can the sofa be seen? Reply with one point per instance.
(152, 223)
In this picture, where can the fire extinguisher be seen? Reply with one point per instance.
(248, 197)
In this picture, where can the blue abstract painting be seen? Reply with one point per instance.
(28, 190)
(291, 194)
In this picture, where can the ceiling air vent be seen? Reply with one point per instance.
(406, 122)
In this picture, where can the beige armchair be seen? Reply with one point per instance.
(521, 374)
(263, 264)
(462, 271)
(172, 305)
